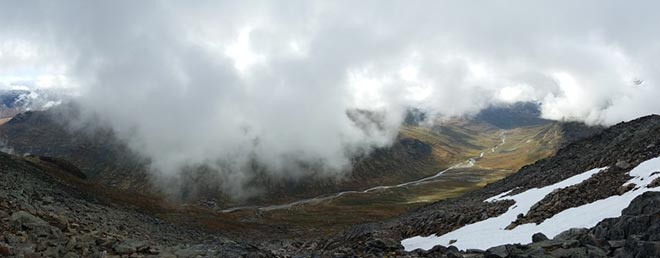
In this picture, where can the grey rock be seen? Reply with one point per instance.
(53, 251)
(594, 251)
(497, 252)
(622, 164)
(130, 246)
(580, 252)
(538, 237)
(475, 251)
(452, 252)
(47, 200)
(23, 219)
(553, 244)
(71, 243)
(192, 251)
(616, 243)
(71, 255)
(23, 248)
(570, 234)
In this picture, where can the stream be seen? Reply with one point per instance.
(465, 164)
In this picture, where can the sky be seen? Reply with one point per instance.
(226, 83)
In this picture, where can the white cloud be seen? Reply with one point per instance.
(202, 82)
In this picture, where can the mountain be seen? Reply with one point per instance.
(96, 152)
(611, 179)
(16, 101)
(510, 184)
(512, 115)
(588, 181)
(419, 151)
(47, 211)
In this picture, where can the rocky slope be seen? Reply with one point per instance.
(47, 208)
(43, 215)
(636, 233)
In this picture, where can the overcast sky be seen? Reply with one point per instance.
(195, 82)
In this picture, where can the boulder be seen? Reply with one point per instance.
(622, 164)
(497, 252)
(538, 237)
(572, 233)
(24, 220)
(625, 188)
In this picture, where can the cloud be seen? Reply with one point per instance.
(230, 83)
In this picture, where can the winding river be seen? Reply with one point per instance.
(465, 164)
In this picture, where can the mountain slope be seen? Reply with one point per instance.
(43, 213)
(418, 152)
(96, 152)
(621, 148)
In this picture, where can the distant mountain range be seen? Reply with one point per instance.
(13, 102)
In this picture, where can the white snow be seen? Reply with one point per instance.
(498, 197)
(490, 232)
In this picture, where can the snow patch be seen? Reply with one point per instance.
(498, 197)
(491, 232)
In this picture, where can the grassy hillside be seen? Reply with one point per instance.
(452, 142)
